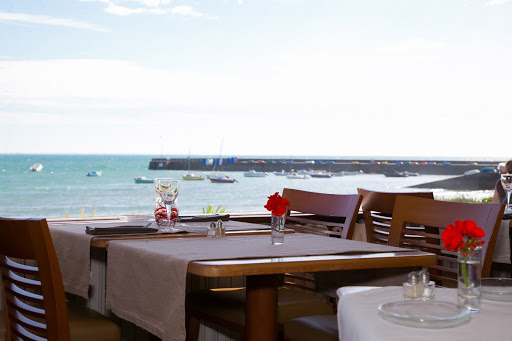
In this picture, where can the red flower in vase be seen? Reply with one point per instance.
(277, 204)
(463, 236)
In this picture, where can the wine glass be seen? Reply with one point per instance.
(167, 190)
(506, 182)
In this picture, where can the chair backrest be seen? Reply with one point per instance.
(378, 211)
(433, 216)
(336, 213)
(35, 301)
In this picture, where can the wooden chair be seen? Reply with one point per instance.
(35, 302)
(321, 213)
(432, 216)
(378, 210)
(226, 307)
(2, 325)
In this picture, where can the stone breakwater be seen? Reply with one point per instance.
(335, 166)
(473, 182)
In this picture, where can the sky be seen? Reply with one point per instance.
(430, 78)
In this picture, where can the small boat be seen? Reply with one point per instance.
(320, 175)
(253, 174)
(411, 174)
(95, 173)
(221, 178)
(396, 174)
(36, 167)
(296, 176)
(343, 173)
(281, 173)
(192, 176)
(143, 180)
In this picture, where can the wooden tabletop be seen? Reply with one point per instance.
(261, 266)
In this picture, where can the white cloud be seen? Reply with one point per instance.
(158, 7)
(495, 3)
(154, 3)
(186, 11)
(47, 20)
(125, 11)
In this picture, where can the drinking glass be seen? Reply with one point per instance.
(167, 190)
(506, 182)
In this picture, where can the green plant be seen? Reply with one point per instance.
(466, 199)
(210, 210)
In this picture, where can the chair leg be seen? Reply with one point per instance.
(193, 325)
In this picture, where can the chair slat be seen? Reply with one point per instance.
(25, 308)
(315, 222)
(26, 323)
(16, 291)
(21, 281)
(25, 334)
(20, 268)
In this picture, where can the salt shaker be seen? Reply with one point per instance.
(220, 231)
(413, 288)
(211, 229)
(429, 287)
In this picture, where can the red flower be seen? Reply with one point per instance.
(464, 236)
(277, 204)
(452, 237)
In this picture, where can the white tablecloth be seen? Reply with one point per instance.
(358, 319)
(146, 279)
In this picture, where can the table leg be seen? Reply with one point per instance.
(261, 307)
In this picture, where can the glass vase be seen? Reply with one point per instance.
(277, 229)
(469, 277)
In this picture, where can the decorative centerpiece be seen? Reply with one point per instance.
(277, 205)
(463, 237)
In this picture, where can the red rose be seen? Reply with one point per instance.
(452, 237)
(277, 204)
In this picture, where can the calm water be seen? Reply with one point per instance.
(62, 186)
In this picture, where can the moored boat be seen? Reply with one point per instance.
(143, 180)
(281, 173)
(321, 175)
(192, 176)
(221, 178)
(297, 176)
(95, 173)
(253, 174)
(36, 167)
(396, 174)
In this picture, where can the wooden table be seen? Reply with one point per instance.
(262, 278)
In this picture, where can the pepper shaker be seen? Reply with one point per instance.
(220, 231)
(212, 229)
(429, 287)
(413, 288)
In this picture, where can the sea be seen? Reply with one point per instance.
(62, 188)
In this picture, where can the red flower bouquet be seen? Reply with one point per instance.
(463, 236)
(277, 204)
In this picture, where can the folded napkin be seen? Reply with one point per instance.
(105, 229)
(213, 217)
